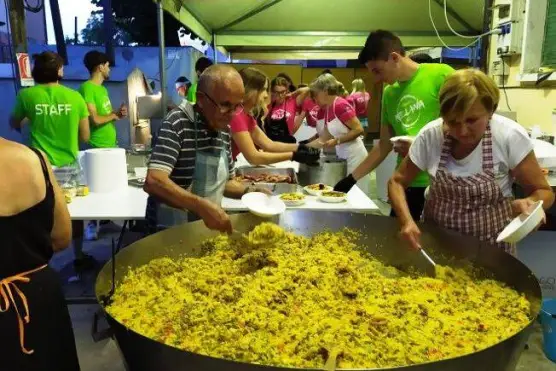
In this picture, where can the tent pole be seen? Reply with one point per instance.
(161, 55)
(214, 51)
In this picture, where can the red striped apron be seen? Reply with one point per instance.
(472, 205)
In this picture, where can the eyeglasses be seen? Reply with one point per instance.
(280, 93)
(226, 107)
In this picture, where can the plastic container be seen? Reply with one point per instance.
(548, 321)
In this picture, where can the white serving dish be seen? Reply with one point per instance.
(312, 192)
(294, 202)
(522, 225)
(332, 200)
(263, 205)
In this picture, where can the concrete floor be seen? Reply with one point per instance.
(105, 356)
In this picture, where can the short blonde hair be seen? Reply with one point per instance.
(357, 85)
(326, 83)
(463, 88)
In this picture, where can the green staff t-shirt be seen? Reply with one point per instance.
(409, 105)
(102, 136)
(54, 112)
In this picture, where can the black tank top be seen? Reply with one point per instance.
(25, 241)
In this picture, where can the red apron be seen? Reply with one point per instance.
(472, 205)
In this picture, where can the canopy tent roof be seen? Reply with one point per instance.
(322, 29)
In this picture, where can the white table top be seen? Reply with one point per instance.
(128, 204)
(357, 201)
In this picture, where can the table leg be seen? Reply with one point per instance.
(121, 238)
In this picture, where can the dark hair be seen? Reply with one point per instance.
(46, 66)
(278, 81)
(290, 81)
(422, 58)
(379, 45)
(326, 71)
(302, 86)
(253, 79)
(202, 64)
(93, 59)
(183, 80)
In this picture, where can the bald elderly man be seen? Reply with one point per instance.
(191, 166)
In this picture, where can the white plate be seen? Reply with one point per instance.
(294, 202)
(522, 225)
(263, 205)
(332, 200)
(402, 138)
(316, 193)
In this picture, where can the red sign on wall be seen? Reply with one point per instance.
(24, 68)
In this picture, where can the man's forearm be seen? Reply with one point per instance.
(373, 159)
(102, 120)
(234, 189)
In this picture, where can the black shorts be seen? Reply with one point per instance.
(415, 197)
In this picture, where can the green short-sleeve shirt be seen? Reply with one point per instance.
(54, 112)
(103, 136)
(409, 105)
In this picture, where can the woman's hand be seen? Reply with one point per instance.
(525, 206)
(331, 143)
(411, 233)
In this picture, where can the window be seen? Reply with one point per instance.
(549, 43)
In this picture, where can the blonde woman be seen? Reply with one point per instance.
(360, 99)
(247, 135)
(472, 156)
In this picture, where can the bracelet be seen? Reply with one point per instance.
(338, 141)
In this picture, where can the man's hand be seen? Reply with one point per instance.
(215, 217)
(254, 188)
(401, 147)
(346, 184)
(411, 233)
(122, 111)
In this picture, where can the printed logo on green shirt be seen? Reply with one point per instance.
(409, 111)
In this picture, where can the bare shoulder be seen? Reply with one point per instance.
(25, 185)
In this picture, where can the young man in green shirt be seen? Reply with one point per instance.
(102, 117)
(200, 66)
(57, 115)
(409, 102)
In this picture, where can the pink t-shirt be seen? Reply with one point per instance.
(360, 101)
(288, 108)
(311, 110)
(340, 109)
(242, 121)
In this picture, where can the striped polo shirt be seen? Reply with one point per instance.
(174, 151)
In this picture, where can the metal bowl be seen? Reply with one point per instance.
(379, 236)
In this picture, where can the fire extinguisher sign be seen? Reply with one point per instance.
(24, 68)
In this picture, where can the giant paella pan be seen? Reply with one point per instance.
(408, 330)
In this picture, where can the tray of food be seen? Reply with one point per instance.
(276, 180)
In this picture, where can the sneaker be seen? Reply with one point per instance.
(85, 263)
(91, 231)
